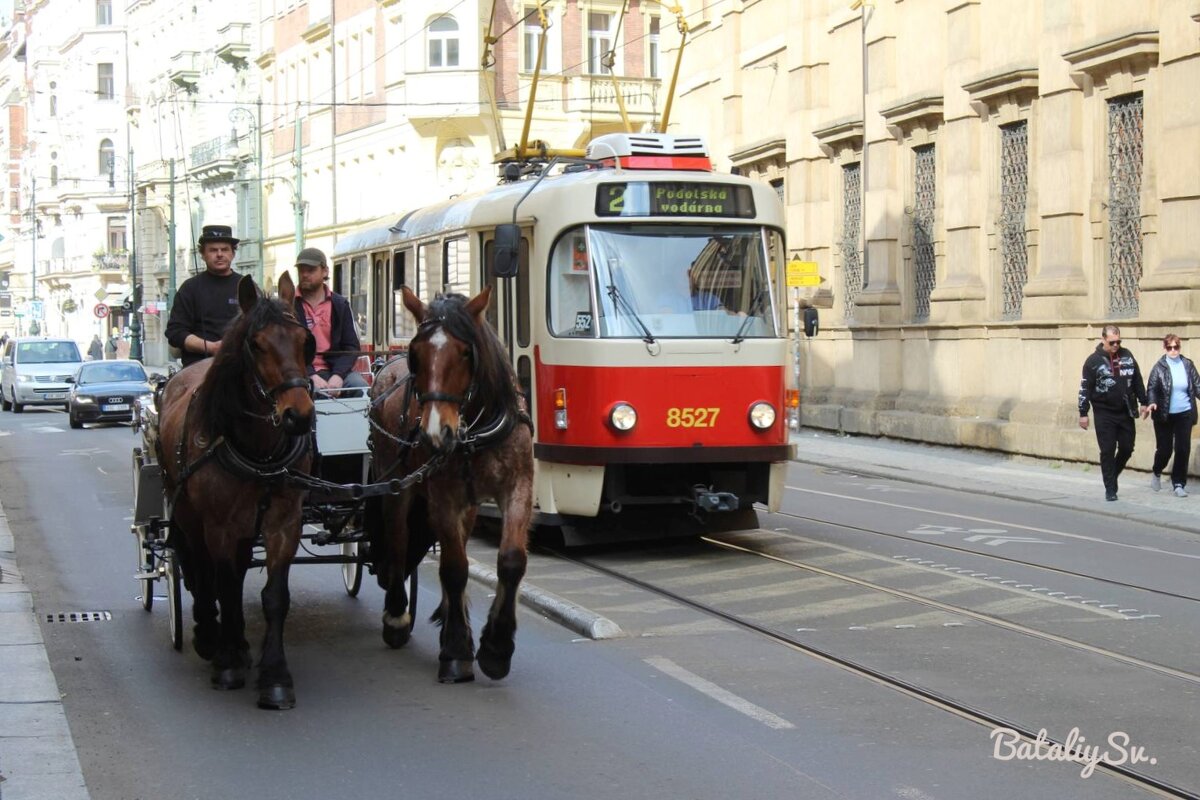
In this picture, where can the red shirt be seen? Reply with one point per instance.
(320, 322)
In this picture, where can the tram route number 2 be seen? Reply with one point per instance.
(692, 417)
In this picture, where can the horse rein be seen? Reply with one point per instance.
(269, 395)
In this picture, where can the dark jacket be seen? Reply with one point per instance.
(1111, 393)
(1159, 387)
(343, 338)
(204, 306)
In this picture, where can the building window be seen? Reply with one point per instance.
(54, 105)
(104, 12)
(443, 43)
(532, 31)
(924, 203)
(652, 67)
(600, 39)
(116, 234)
(107, 162)
(852, 274)
(104, 81)
(1014, 192)
(54, 175)
(1124, 205)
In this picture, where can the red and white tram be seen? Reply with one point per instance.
(642, 300)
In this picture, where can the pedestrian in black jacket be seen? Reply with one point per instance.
(1112, 386)
(206, 303)
(327, 314)
(1173, 388)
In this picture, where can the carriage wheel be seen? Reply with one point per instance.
(145, 565)
(174, 603)
(352, 570)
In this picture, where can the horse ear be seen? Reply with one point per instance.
(247, 294)
(287, 289)
(414, 304)
(479, 303)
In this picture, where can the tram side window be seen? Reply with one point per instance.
(430, 270)
(358, 295)
(571, 312)
(404, 273)
(456, 266)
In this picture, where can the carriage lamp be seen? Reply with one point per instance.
(762, 415)
(622, 417)
(560, 409)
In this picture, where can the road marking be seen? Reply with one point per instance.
(723, 696)
(996, 541)
(1052, 532)
(44, 429)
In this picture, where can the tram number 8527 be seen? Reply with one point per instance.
(692, 417)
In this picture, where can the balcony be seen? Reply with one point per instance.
(595, 94)
(184, 71)
(233, 44)
(214, 161)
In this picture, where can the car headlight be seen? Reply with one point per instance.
(83, 399)
(762, 415)
(24, 379)
(622, 417)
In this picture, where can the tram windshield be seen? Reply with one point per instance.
(664, 281)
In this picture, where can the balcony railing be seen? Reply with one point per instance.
(213, 150)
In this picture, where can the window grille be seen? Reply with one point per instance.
(852, 277)
(1124, 205)
(922, 230)
(1014, 193)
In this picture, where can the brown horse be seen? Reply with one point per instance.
(453, 410)
(229, 428)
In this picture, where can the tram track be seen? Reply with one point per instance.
(992, 556)
(929, 696)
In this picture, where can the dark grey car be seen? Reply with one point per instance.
(106, 391)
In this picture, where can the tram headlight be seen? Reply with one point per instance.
(622, 417)
(762, 415)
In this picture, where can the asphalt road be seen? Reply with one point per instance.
(685, 705)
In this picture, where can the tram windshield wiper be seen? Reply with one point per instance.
(751, 314)
(620, 302)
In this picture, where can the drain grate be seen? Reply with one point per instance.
(80, 616)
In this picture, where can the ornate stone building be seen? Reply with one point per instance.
(1031, 171)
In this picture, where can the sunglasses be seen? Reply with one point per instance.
(1114, 343)
(1172, 347)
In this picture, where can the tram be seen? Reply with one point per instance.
(641, 297)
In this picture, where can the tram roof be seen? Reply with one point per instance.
(489, 205)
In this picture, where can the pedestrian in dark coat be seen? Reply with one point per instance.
(1173, 389)
(1112, 387)
(96, 348)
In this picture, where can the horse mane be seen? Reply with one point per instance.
(222, 395)
(495, 382)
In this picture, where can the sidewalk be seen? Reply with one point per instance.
(1064, 484)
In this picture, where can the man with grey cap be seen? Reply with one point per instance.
(327, 314)
(206, 303)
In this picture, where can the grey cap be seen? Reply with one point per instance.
(311, 257)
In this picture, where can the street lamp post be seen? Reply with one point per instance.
(255, 127)
(135, 291)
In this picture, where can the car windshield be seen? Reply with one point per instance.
(654, 281)
(47, 352)
(111, 373)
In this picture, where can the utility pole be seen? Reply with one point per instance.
(135, 322)
(171, 242)
(262, 214)
(297, 201)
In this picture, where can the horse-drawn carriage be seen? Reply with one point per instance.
(240, 467)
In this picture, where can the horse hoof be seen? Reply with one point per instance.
(494, 663)
(455, 672)
(229, 678)
(277, 697)
(396, 637)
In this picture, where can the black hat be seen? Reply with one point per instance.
(214, 234)
(311, 257)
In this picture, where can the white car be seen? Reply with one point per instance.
(35, 372)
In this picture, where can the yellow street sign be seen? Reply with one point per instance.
(100, 294)
(802, 273)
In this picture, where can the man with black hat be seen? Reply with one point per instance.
(206, 303)
(327, 314)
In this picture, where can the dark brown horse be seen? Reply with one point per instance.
(229, 427)
(452, 409)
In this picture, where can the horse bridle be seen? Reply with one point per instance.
(268, 396)
(427, 327)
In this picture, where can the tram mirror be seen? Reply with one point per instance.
(506, 250)
(811, 323)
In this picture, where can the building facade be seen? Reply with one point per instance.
(1031, 171)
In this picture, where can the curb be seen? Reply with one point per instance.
(564, 612)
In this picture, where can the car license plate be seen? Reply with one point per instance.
(116, 407)
(55, 396)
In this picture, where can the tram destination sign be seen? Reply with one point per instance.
(674, 199)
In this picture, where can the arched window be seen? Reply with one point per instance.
(106, 157)
(443, 43)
